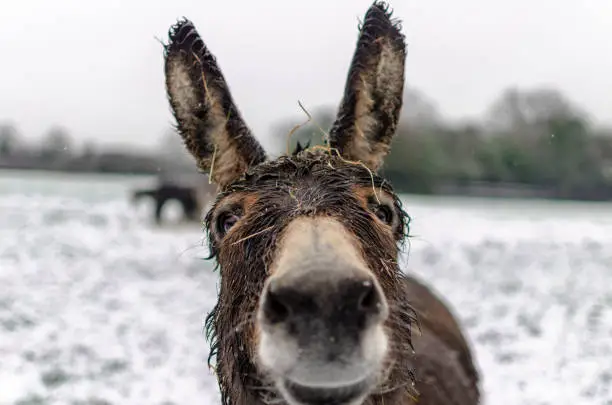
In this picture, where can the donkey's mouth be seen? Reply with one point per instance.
(323, 395)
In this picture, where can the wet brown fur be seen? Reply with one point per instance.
(305, 185)
(268, 195)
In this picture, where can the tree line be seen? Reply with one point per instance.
(57, 151)
(531, 142)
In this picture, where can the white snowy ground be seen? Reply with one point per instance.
(98, 307)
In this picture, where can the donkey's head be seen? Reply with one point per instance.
(309, 307)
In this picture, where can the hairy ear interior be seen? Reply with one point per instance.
(207, 118)
(369, 111)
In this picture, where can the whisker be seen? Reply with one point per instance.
(386, 390)
(253, 235)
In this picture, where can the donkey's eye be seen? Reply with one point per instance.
(384, 213)
(226, 222)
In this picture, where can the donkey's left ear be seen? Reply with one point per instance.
(369, 111)
(208, 120)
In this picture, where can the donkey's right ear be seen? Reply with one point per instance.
(207, 118)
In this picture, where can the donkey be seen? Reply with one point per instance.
(313, 308)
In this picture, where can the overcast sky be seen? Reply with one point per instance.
(96, 68)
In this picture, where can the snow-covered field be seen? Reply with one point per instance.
(99, 307)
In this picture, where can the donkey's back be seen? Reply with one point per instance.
(444, 369)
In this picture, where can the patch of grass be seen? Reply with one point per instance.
(92, 401)
(114, 366)
(31, 400)
(55, 377)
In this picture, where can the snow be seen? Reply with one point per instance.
(97, 306)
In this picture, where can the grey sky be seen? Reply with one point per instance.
(96, 68)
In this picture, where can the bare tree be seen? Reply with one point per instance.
(519, 109)
(9, 139)
(419, 111)
(171, 146)
(57, 142)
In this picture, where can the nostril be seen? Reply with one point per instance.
(370, 300)
(275, 310)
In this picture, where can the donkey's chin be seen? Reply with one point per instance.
(317, 374)
(349, 394)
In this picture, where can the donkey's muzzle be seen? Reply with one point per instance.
(321, 315)
(324, 328)
(316, 303)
